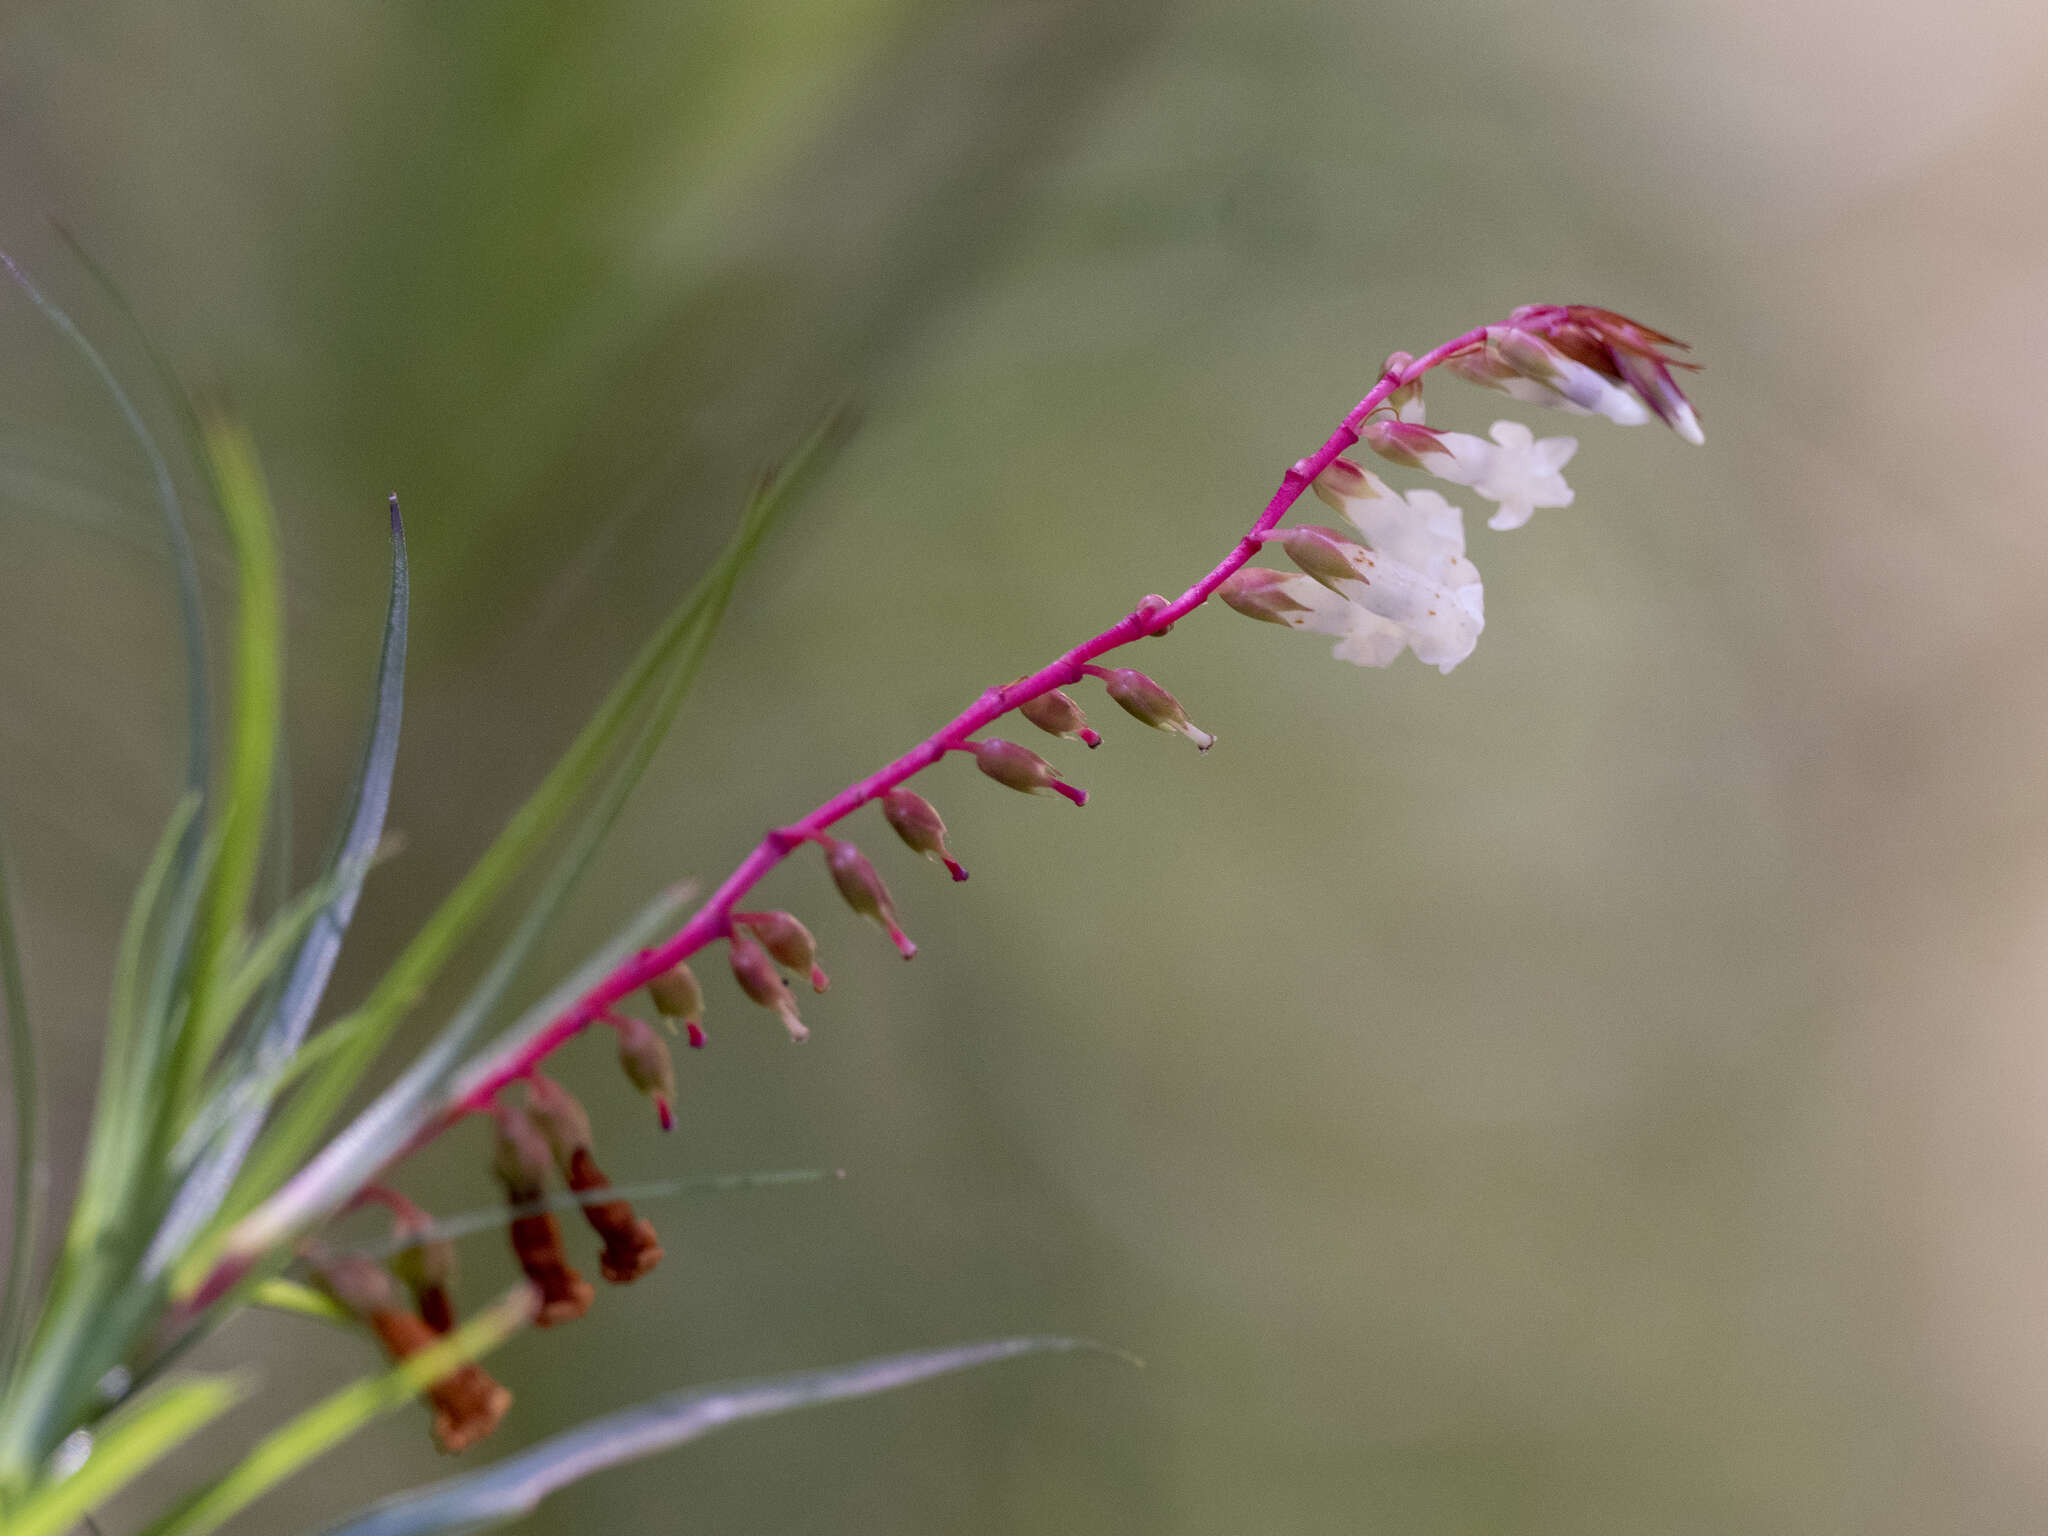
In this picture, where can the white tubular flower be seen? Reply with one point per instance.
(1535, 371)
(1416, 590)
(1516, 470)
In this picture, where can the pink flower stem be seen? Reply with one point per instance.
(713, 920)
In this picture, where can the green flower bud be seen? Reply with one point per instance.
(644, 1057)
(788, 940)
(1058, 715)
(1145, 700)
(360, 1284)
(562, 1120)
(676, 995)
(918, 824)
(759, 979)
(1023, 769)
(520, 1155)
(863, 891)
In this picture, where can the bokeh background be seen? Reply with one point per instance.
(1604, 1090)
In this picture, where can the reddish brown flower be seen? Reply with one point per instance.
(468, 1402)
(522, 1167)
(631, 1248)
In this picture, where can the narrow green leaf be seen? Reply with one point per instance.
(184, 565)
(29, 1171)
(254, 965)
(368, 803)
(77, 1327)
(515, 1486)
(252, 747)
(107, 1166)
(334, 1418)
(661, 672)
(302, 1300)
(123, 1449)
(270, 1058)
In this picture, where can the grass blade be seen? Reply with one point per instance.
(286, 1023)
(252, 748)
(369, 801)
(125, 1448)
(302, 1301)
(184, 565)
(333, 1419)
(29, 1171)
(515, 1486)
(101, 1188)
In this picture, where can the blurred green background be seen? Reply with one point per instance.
(1600, 1091)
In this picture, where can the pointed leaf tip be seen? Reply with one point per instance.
(517, 1485)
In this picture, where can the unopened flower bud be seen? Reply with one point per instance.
(863, 891)
(1651, 379)
(1145, 700)
(1259, 592)
(1618, 349)
(1057, 714)
(1405, 442)
(1405, 401)
(918, 824)
(789, 941)
(1325, 554)
(359, 1284)
(1528, 367)
(759, 979)
(1023, 769)
(522, 1161)
(562, 1120)
(676, 995)
(644, 1057)
(519, 1155)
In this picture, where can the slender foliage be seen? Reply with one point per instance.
(516, 1485)
(334, 1418)
(28, 1133)
(129, 1443)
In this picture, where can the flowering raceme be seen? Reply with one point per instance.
(1398, 579)
(1412, 587)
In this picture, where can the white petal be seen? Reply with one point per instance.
(1371, 641)
(1465, 459)
(1615, 403)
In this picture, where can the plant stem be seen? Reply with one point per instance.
(713, 921)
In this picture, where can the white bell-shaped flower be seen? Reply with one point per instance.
(1415, 590)
(1518, 470)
